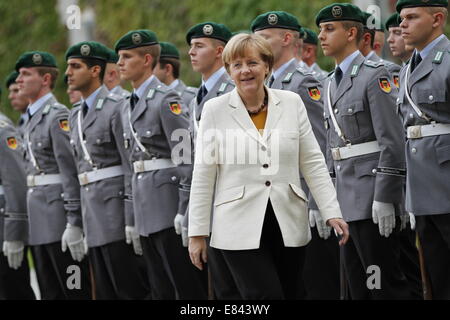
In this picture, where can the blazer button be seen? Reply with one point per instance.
(265, 165)
(268, 183)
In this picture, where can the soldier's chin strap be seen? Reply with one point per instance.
(411, 102)
(333, 118)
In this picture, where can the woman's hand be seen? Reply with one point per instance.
(198, 251)
(341, 228)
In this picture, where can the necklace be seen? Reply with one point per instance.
(263, 105)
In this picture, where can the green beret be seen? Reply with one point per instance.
(11, 78)
(113, 57)
(275, 19)
(88, 50)
(420, 3)
(370, 23)
(310, 37)
(392, 21)
(209, 30)
(340, 12)
(136, 39)
(168, 50)
(35, 59)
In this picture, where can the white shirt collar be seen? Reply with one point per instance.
(280, 70)
(90, 100)
(424, 53)
(345, 64)
(174, 84)
(140, 91)
(211, 82)
(39, 103)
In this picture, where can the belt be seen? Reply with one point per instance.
(154, 164)
(434, 129)
(99, 174)
(355, 150)
(43, 179)
(2, 191)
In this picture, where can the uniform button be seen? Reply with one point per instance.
(263, 148)
(139, 176)
(265, 165)
(39, 144)
(148, 133)
(120, 193)
(2, 210)
(174, 178)
(98, 141)
(62, 195)
(430, 97)
(336, 110)
(411, 115)
(124, 135)
(374, 171)
(268, 183)
(31, 190)
(413, 150)
(398, 100)
(350, 110)
(137, 149)
(87, 189)
(338, 168)
(71, 141)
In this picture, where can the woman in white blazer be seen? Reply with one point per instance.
(251, 145)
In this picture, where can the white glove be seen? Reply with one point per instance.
(14, 251)
(315, 218)
(132, 236)
(177, 223)
(405, 218)
(383, 214)
(73, 238)
(184, 236)
(85, 245)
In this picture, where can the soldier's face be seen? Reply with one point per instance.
(160, 73)
(417, 25)
(275, 37)
(396, 42)
(74, 95)
(30, 82)
(333, 38)
(79, 75)
(17, 100)
(132, 64)
(203, 53)
(249, 72)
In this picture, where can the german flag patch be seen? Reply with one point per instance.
(385, 85)
(11, 142)
(314, 93)
(175, 107)
(397, 82)
(64, 125)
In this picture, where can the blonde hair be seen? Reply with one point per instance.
(241, 43)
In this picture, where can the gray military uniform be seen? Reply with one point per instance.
(105, 212)
(51, 206)
(393, 68)
(118, 90)
(186, 93)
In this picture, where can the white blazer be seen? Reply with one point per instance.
(240, 170)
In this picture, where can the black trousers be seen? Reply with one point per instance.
(15, 284)
(171, 273)
(321, 272)
(365, 248)
(271, 271)
(117, 273)
(434, 235)
(409, 262)
(53, 273)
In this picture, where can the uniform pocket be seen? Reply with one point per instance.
(53, 193)
(229, 195)
(443, 154)
(298, 192)
(349, 117)
(431, 96)
(146, 134)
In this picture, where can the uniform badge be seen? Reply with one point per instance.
(272, 19)
(208, 29)
(314, 93)
(11, 142)
(175, 107)
(336, 11)
(385, 85)
(37, 58)
(85, 50)
(136, 38)
(396, 82)
(64, 125)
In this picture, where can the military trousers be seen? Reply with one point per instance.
(57, 273)
(118, 273)
(15, 284)
(434, 235)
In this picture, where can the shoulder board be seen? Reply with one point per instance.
(222, 88)
(114, 97)
(99, 104)
(373, 64)
(303, 71)
(355, 70)
(438, 57)
(191, 90)
(3, 123)
(287, 78)
(152, 91)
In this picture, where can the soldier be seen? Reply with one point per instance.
(154, 120)
(282, 29)
(367, 48)
(104, 175)
(366, 143)
(206, 41)
(18, 102)
(309, 54)
(14, 271)
(168, 72)
(396, 42)
(112, 76)
(53, 198)
(423, 106)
